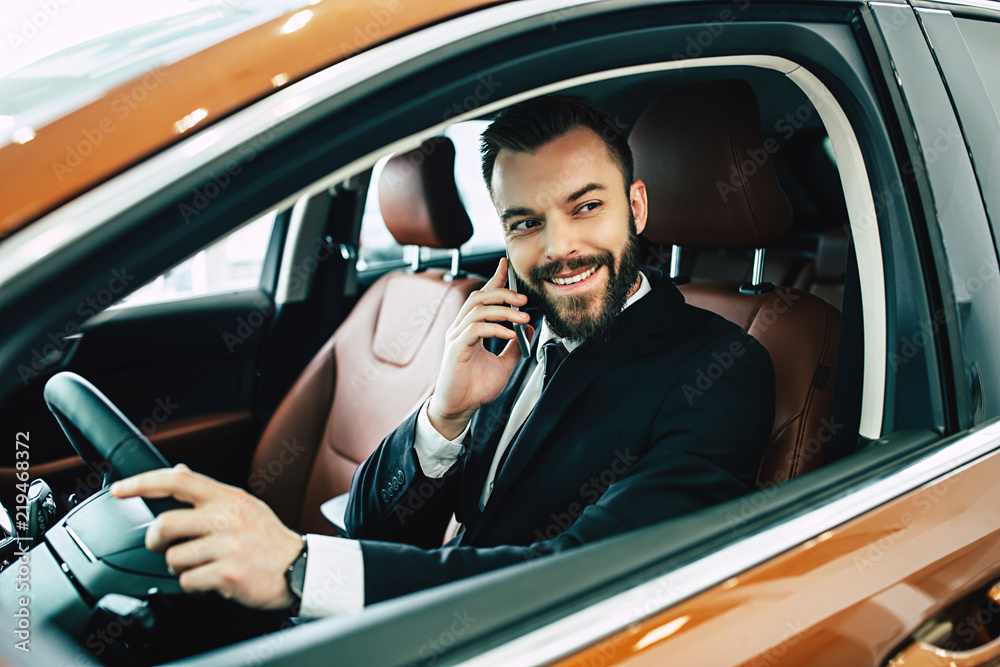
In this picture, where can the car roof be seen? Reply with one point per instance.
(81, 116)
(78, 117)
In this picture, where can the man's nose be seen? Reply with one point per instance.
(561, 241)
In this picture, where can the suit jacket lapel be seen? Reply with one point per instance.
(635, 334)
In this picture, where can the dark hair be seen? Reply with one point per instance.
(533, 123)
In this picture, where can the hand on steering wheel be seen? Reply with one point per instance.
(216, 537)
(229, 541)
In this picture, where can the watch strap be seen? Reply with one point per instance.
(295, 575)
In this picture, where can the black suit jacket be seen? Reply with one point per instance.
(670, 415)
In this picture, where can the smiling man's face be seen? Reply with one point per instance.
(571, 230)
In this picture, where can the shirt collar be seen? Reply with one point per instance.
(545, 334)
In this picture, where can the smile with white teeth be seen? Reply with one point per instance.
(575, 279)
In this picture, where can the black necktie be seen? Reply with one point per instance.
(554, 352)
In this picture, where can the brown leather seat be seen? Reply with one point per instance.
(382, 361)
(711, 184)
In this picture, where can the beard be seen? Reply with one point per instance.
(570, 316)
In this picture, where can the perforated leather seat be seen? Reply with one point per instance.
(382, 361)
(701, 152)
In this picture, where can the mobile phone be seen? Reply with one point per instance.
(522, 335)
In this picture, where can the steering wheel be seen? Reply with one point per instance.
(104, 438)
(100, 547)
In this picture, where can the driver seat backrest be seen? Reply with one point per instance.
(710, 183)
(382, 361)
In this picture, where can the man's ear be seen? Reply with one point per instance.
(639, 204)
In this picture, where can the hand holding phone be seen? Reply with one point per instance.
(471, 374)
(522, 336)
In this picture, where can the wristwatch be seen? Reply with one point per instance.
(295, 575)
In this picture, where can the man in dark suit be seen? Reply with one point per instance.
(607, 426)
(619, 438)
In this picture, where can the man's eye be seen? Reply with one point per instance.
(590, 206)
(522, 225)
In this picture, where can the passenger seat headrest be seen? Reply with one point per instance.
(709, 178)
(419, 199)
(831, 256)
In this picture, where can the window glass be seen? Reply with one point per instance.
(378, 247)
(231, 263)
(983, 40)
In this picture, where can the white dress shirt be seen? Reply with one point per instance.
(335, 578)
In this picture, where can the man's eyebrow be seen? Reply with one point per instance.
(515, 212)
(590, 187)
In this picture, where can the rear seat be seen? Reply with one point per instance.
(824, 276)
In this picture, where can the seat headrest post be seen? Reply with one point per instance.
(756, 284)
(456, 261)
(416, 265)
(758, 267)
(675, 261)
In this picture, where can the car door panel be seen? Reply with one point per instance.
(849, 596)
(183, 372)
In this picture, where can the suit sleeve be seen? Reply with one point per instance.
(394, 501)
(704, 449)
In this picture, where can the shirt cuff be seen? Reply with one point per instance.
(335, 577)
(436, 453)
